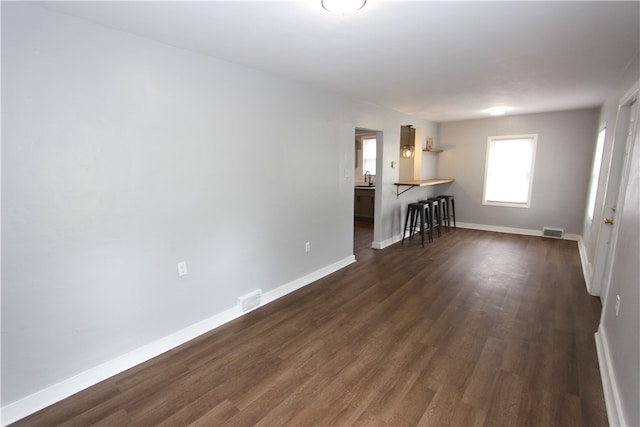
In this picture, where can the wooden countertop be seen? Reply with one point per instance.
(425, 182)
(420, 183)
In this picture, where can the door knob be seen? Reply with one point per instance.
(608, 221)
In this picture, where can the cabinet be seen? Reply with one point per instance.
(364, 202)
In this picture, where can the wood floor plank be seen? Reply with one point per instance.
(256, 402)
(505, 409)
(467, 415)
(480, 389)
(215, 417)
(477, 328)
(414, 404)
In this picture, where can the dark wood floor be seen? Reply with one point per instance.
(478, 328)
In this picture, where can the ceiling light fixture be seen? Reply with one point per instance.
(498, 111)
(342, 7)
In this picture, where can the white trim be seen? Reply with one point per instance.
(512, 230)
(630, 95)
(587, 270)
(303, 281)
(629, 141)
(55, 393)
(386, 243)
(609, 385)
(500, 229)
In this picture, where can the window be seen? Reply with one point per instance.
(369, 156)
(508, 173)
(595, 174)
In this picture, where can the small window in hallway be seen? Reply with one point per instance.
(595, 174)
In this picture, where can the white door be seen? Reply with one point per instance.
(618, 334)
(613, 221)
(613, 176)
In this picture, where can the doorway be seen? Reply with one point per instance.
(364, 176)
(366, 179)
(614, 184)
(617, 339)
(630, 170)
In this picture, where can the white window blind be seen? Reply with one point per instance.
(509, 170)
(369, 156)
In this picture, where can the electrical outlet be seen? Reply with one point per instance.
(617, 305)
(182, 268)
(307, 247)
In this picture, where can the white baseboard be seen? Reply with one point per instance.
(57, 392)
(499, 229)
(386, 243)
(609, 385)
(587, 270)
(294, 285)
(483, 227)
(512, 230)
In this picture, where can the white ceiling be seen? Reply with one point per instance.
(438, 60)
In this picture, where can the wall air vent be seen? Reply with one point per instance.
(555, 233)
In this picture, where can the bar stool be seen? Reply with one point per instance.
(428, 219)
(439, 206)
(450, 206)
(433, 206)
(415, 211)
(444, 211)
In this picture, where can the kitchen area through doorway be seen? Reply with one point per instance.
(364, 181)
(364, 177)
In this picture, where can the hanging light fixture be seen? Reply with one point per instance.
(342, 7)
(408, 150)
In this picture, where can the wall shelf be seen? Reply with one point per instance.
(432, 151)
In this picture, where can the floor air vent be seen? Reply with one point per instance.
(555, 233)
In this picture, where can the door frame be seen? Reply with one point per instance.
(623, 121)
(379, 177)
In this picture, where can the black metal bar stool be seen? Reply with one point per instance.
(416, 211)
(439, 206)
(450, 207)
(444, 211)
(428, 219)
(433, 206)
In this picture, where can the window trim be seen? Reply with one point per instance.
(527, 204)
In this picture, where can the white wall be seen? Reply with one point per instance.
(563, 157)
(122, 157)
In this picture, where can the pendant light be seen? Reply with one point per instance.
(408, 150)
